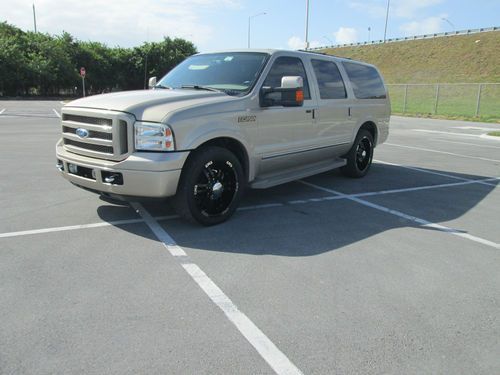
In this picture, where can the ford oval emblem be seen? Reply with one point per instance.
(82, 133)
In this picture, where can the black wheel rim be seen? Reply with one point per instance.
(363, 153)
(215, 188)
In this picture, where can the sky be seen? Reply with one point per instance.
(223, 24)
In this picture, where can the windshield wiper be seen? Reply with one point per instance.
(162, 87)
(198, 87)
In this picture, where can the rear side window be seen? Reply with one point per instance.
(287, 66)
(330, 83)
(365, 81)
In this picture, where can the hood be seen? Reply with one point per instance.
(149, 105)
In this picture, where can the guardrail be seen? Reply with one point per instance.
(449, 99)
(416, 37)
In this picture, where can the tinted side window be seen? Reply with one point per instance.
(365, 80)
(287, 66)
(331, 85)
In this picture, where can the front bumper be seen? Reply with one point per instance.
(142, 174)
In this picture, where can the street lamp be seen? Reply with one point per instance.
(449, 22)
(386, 19)
(34, 16)
(307, 25)
(249, 19)
(329, 40)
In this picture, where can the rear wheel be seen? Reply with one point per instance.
(359, 158)
(211, 186)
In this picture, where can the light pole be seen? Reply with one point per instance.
(34, 17)
(386, 19)
(369, 30)
(249, 19)
(453, 28)
(307, 25)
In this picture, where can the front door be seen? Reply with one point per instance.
(285, 133)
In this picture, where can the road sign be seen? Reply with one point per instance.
(82, 74)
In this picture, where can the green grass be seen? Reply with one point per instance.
(494, 134)
(458, 101)
(438, 60)
(453, 59)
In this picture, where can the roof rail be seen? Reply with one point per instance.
(322, 53)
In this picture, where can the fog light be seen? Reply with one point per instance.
(113, 178)
(110, 179)
(73, 168)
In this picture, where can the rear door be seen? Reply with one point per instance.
(370, 103)
(334, 121)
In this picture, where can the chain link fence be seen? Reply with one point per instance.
(447, 99)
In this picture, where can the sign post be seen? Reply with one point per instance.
(82, 73)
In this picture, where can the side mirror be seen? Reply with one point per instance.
(152, 82)
(290, 94)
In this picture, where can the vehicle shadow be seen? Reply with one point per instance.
(305, 222)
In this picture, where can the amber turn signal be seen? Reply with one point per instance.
(299, 95)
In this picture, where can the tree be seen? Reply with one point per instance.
(42, 64)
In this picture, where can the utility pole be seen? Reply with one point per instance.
(386, 19)
(307, 25)
(369, 29)
(34, 16)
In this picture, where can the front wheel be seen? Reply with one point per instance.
(210, 187)
(359, 158)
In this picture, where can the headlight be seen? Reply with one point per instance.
(153, 137)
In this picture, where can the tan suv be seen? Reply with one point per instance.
(220, 122)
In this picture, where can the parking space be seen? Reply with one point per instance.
(393, 273)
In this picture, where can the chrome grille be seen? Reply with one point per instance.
(88, 120)
(107, 133)
(92, 133)
(89, 146)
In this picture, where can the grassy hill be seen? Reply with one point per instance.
(449, 59)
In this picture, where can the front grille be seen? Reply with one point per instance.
(89, 146)
(92, 133)
(107, 133)
(88, 120)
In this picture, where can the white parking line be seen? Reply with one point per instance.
(264, 346)
(400, 214)
(483, 182)
(2, 111)
(158, 231)
(57, 113)
(449, 133)
(466, 143)
(417, 188)
(442, 152)
(475, 128)
(69, 227)
(270, 205)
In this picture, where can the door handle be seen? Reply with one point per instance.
(349, 111)
(313, 111)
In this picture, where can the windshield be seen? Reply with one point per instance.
(233, 73)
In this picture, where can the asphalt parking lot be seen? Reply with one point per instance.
(396, 273)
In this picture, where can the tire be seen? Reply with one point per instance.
(360, 156)
(210, 187)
